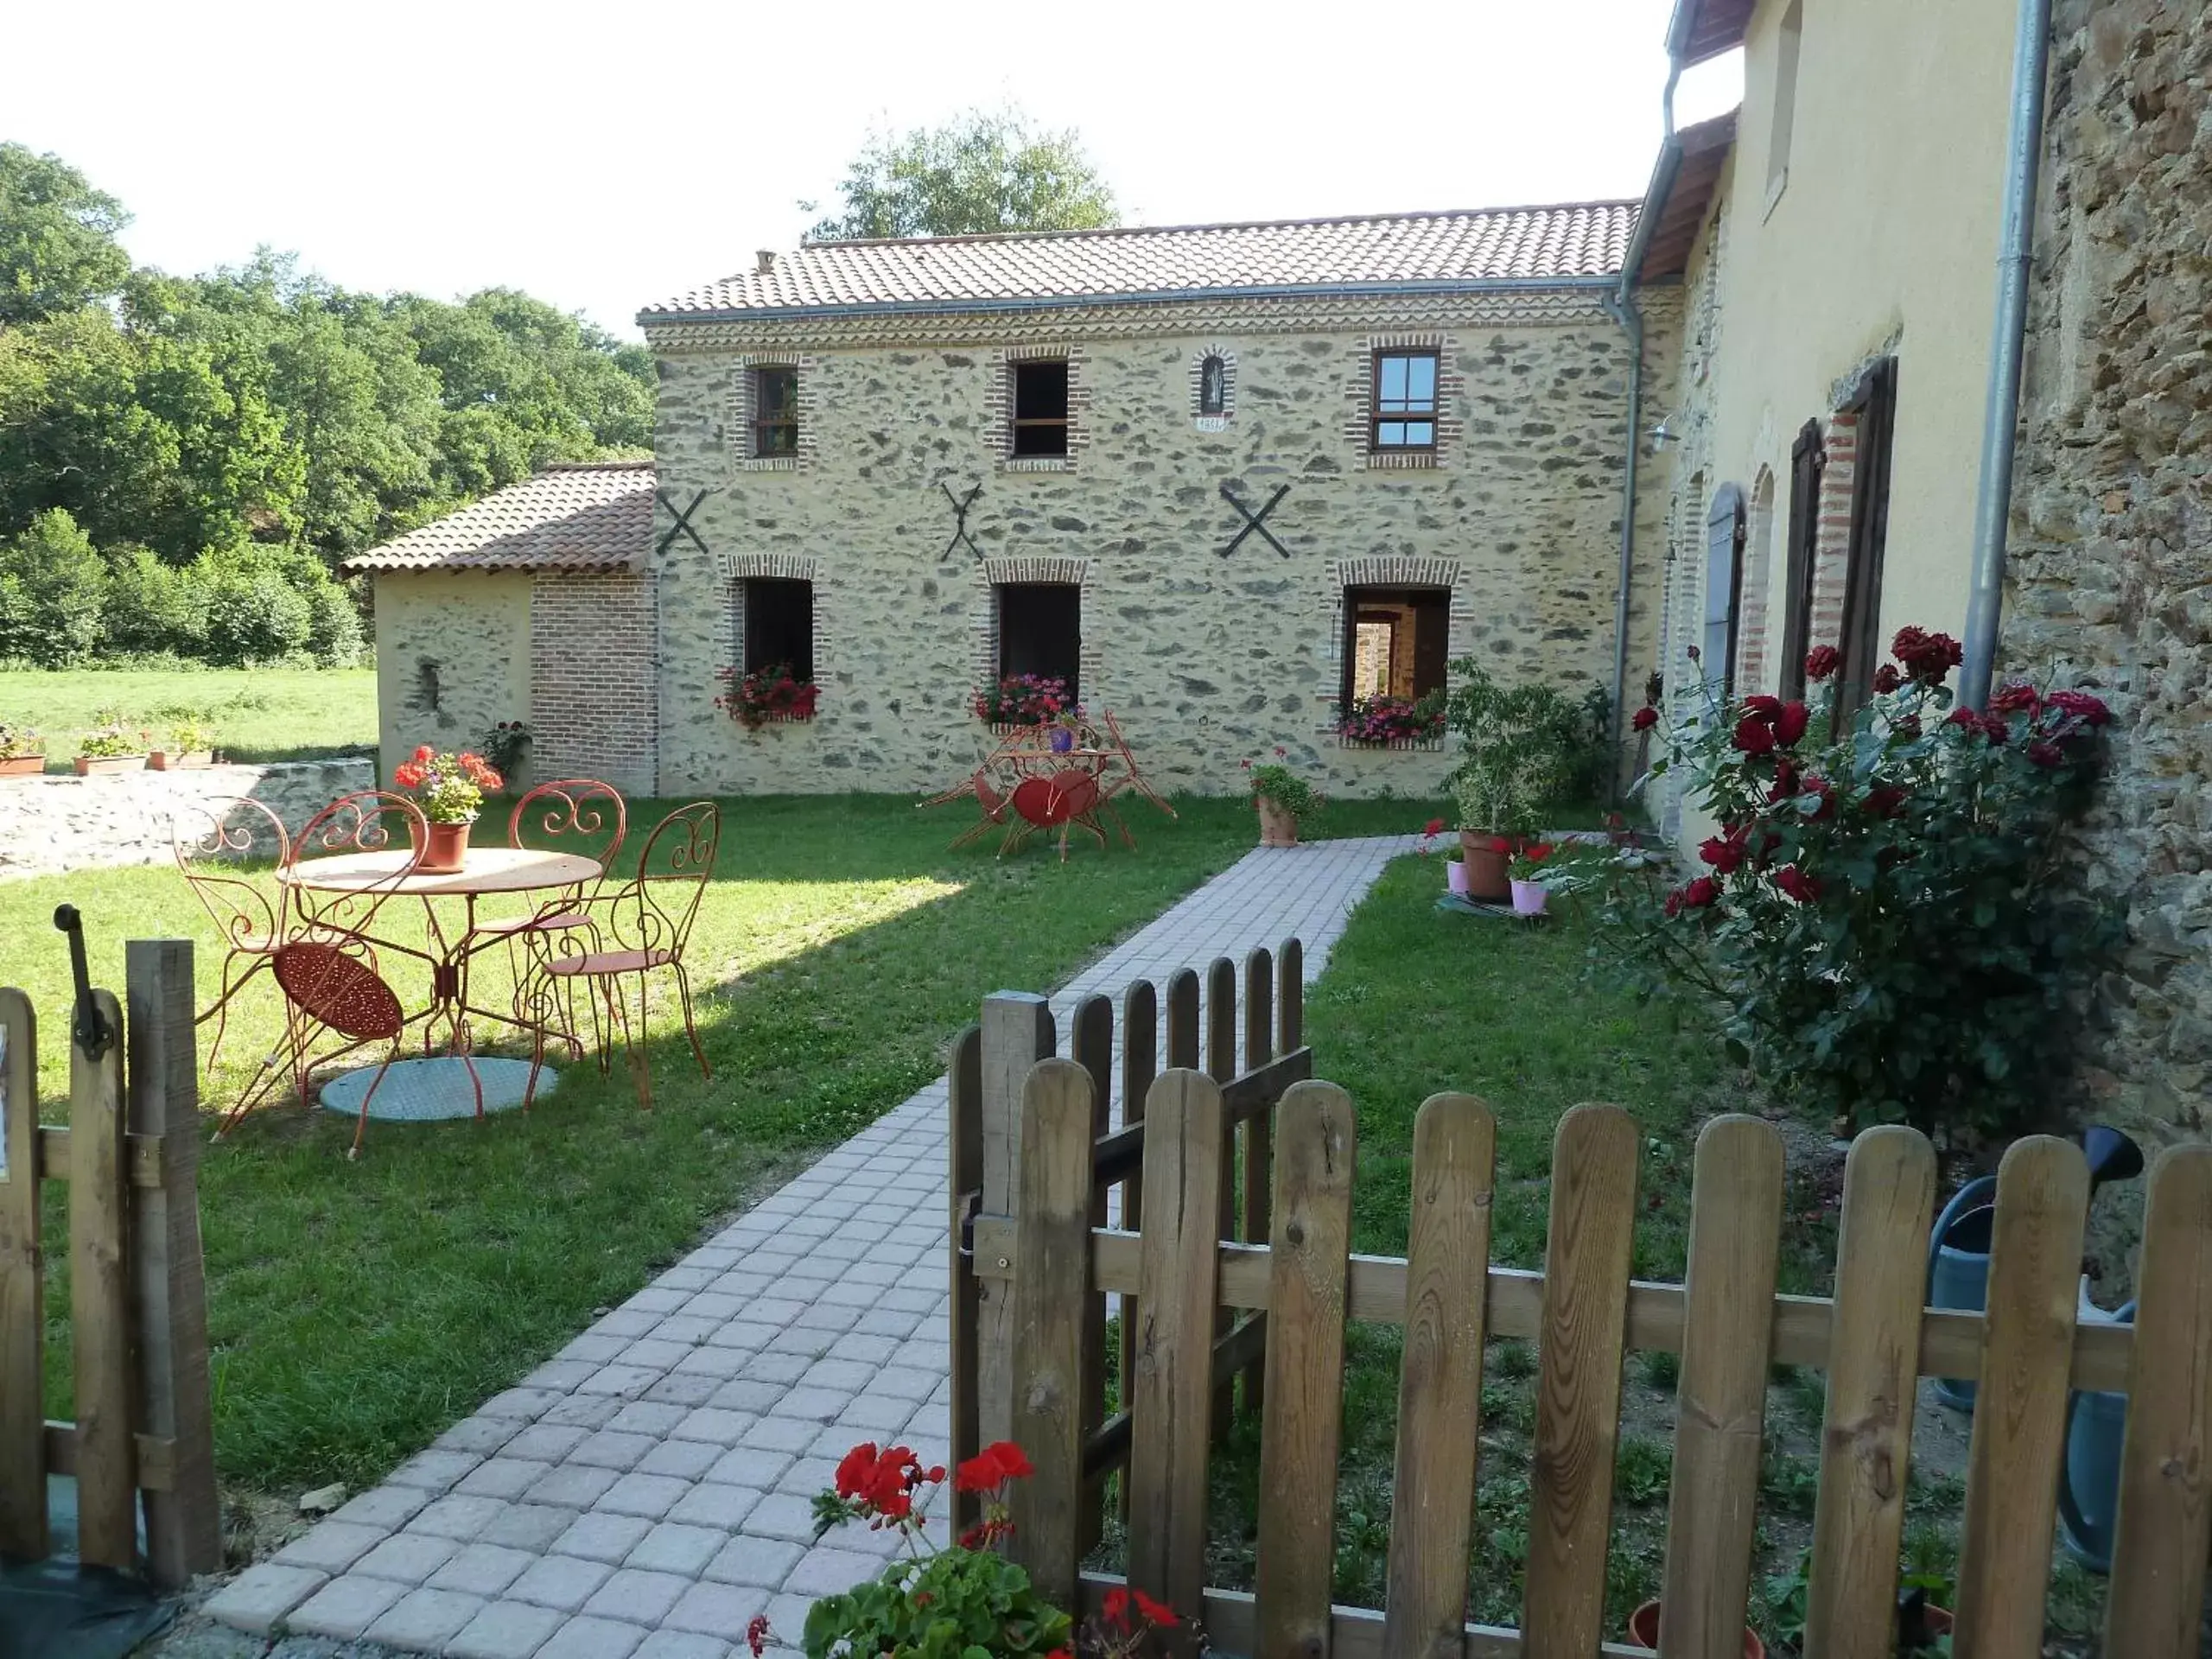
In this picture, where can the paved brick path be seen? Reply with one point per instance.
(645, 1493)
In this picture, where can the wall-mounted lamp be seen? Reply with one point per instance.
(1661, 437)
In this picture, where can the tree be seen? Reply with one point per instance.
(58, 250)
(53, 587)
(982, 172)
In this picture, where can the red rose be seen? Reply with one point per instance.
(1785, 781)
(1798, 885)
(1887, 679)
(1645, 718)
(1695, 895)
(1765, 708)
(1885, 800)
(1926, 656)
(2016, 697)
(1789, 725)
(2091, 711)
(2046, 754)
(1820, 662)
(1724, 852)
(1753, 735)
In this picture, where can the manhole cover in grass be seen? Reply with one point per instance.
(431, 1091)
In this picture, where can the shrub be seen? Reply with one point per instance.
(773, 693)
(333, 626)
(1519, 744)
(52, 592)
(254, 614)
(152, 607)
(1886, 919)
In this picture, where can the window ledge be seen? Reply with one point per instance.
(767, 463)
(1415, 745)
(1037, 464)
(1401, 461)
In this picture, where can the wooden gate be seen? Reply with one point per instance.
(129, 1160)
(1043, 1262)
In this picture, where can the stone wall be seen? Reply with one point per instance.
(1206, 660)
(453, 657)
(2110, 573)
(54, 824)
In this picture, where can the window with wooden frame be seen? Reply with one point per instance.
(1808, 458)
(1040, 406)
(777, 614)
(1396, 643)
(1041, 631)
(1875, 403)
(1402, 414)
(775, 413)
(1724, 590)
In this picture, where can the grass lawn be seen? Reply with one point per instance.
(357, 1309)
(1414, 1002)
(259, 714)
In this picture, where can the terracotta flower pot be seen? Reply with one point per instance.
(447, 847)
(181, 759)
(1643, 1632)
(91, 766)
(1528, 897)
(21, 765)
(1277, 827)
(1455, 875)
(1486, 858)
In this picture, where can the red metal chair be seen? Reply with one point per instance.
(638, 928)
(359, 823)
(210, 841)
(994, 804)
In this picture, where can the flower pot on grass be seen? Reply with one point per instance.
(1283, 798)
(1643, 1632)
(1486, 858)
(181, 759)
(1278, 828)
(1455, 874)
(21, 765)
(1528, 897)
(94, 766)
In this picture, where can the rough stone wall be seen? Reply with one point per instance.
(1206, 660)
(51, 825)
(2110, 571)
(594, 681)
(453, 657)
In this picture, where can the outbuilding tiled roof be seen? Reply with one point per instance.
(582, 515)
(1577, 240)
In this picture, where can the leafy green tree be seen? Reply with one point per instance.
(58, 251)
(255, 611)
(51, 592)
(154, 607)
(984, 171)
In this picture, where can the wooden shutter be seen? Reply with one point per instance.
(1432, 638)
(1723, 589)
(1806, 458)
(1875, 402)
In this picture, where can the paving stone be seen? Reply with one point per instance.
(649, 1417)
(665, 1643)
(710, 1362)
(781, 1434)
(782, 1514)
(717, 1610)
(525, 1405)
(596, 1347)
(712, 1504)
(686, 1459)
(751, 1397)
(624, 1381)
(650, 1496)
(505, 1630)
(259, 1597)
(545, 1442)
(689, 1329)
(808, 1476)
(749, 1467)
(640, 1596)
(677, 1547)
(562, 1582)
(715, 1425)
(684, 1389)
(483, 1569)
(388, 1507)
(573, 1485)
(529, 1526)
(585, 1411)
(761, 1562)
(501, 1477)
(333, 1547)
(408, 1558)
(425, 1618)
(601, 1536)
(561, 1374)
(592, 1638)
(611, 1448)
(344, 1607)
(626, 1322)
(878, 1412)
(829, 1571)
(434, 1471)
(457, 1516)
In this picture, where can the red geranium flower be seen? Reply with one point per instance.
(1158, 1612)
(1434, 827)
(1798, 885)
(756, 1634)
(1753, 735)
(1645, 718)
(1115, 1607)
(1822, 661)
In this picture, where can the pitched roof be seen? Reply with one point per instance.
(1684, 184)
(1577, 240)
(1705, 29)
(577, 515)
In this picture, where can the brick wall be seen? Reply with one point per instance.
(593, 672)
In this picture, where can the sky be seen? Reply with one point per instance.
(606, 157)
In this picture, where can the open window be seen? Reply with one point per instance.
(1395, 642)
(775, 413)
(1041, 631)
(1040, 407)
(1403, 418)
(778, 614)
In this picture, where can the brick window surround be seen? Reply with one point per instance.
(1020, 570)
(738, 425)
(1359, 396)
(739, 568)
(1387, 571)
(998, 409)
(1223, 418)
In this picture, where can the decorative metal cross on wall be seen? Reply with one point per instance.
(682, 525)
(1255, 520)
(960, 505)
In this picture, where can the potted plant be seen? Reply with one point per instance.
(503, 748)
(1518, 744)
(111, 746)
(771, 693)
(1643, 1632)
(1284, 799)
(1525, 876)
(449, 788)
(1025, 700)
(1485, 852)
(190, 744)
(1923, 1628)
(1382, 721)
(23, 751)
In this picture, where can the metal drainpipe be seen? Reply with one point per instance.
(2008, 338)
(1620, 305)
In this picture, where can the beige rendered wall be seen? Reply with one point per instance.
(1206, 660)
(1883, 238)
(453, 657)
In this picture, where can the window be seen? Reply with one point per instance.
(1404, 415)
(1876, 403)
(1787, 41)
(775, 413)
(779, 622)
(1807, 459)
(1213, 387)
(1040, 407)
(1395, 642)
(1723, 589)
(1041, 631)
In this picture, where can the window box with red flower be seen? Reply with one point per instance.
(1387, 722)
(766, 697)
(1024, 700)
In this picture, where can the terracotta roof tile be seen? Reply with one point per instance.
(573, 516)
(1580, 239)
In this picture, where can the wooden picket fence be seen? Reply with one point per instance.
(1040, 1263)
(128, 1161)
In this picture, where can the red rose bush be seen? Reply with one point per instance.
(1884, 915)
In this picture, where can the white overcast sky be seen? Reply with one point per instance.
(608, 156)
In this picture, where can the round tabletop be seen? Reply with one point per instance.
(487, 869)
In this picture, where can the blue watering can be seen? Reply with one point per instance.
(1958, 1249)
(2088, 1487)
